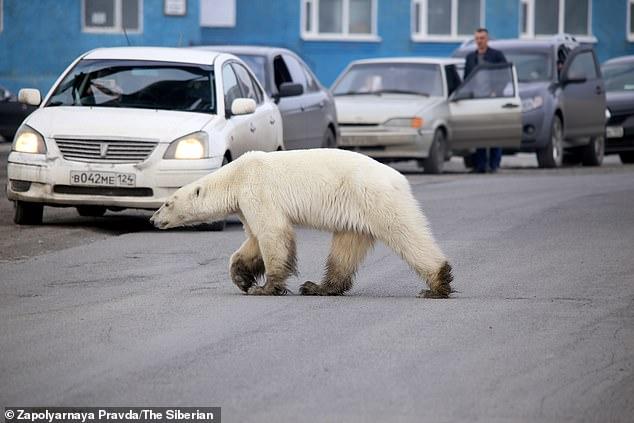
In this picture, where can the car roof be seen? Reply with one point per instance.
(620, 59)
(161, 54)
(413, 59)
(246, 49)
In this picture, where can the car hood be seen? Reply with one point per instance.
(116, 123)
(372, 109)
(620, 102)
(531, 89)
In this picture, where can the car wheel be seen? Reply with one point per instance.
(91, 211)
(329, 139)
(552, 155)
(218, 226)
(436, 159)
(28, 213)
(627, 157)
(593, 152)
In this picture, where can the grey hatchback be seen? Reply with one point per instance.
(308, 109)
(563, 99)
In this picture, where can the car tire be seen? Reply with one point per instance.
(329, 140)
(219, 225)
(28, 213)
(627, 157)
(91, 211)
(552, 154)
(435, 161)
(593, 153)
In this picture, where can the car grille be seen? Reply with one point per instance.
(105, 151)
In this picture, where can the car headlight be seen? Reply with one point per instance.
(413, 122)
(28, 140)
(608, 114)
(532, 103)
(189, 147)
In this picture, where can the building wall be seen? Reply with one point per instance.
(40, 38)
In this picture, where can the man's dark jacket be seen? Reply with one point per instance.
(491, 55)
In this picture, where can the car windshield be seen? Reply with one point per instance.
(619, 76)
(258, 65)
(398, 78)
(531, 66)
(137, 84)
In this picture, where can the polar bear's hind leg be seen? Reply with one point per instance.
(346, 254)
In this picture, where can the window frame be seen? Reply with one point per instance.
(117, 27)
(344, 35)
(1, 15)
(424, 36)
(628, 23)
(530, 22)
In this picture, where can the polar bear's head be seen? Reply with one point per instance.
(202, 201)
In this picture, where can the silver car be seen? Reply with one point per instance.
(419, 108)
(307, 107)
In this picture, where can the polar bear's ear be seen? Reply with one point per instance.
(197, 192)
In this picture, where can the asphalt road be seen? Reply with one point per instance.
(109, 311)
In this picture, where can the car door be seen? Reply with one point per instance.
(312, 101)
(583, 94)
(290, 107)
(485, 110)
(240, 133)
(262, 124)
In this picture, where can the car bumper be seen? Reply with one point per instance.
(387, 143)
(37, 178)
(535, 130)
(619, 135)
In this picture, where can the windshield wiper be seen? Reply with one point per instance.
(379, 92)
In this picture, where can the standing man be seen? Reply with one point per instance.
(482, 55)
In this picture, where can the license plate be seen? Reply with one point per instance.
(108, 179)
(614, 132)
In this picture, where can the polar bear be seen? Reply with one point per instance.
(349, 194)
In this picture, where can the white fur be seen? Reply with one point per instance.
(326, 189)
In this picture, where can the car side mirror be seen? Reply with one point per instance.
(290, 89)
(30, 96)
(242, 106)
(462, 95)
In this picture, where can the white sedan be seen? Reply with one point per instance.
(125, 127)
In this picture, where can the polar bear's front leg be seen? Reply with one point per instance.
(280, 261)
(346, 254)
(246, 264)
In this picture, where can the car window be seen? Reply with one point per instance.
(280, 72)
(137, 84)
(311, 83)
(489, 81)
(453, 78)
(231, 86)
(246, 83)
(531, 66)
(619, 76)
(583, 66)
(257, 64)
(379, 78)
(296, 70)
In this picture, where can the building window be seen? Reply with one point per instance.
(339, 19)
(445, 19)
(630, 20)
(549, 17)
(112, 15)
(218, 13)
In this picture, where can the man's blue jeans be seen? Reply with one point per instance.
(480, 159)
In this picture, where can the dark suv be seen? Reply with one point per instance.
(563, 98)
